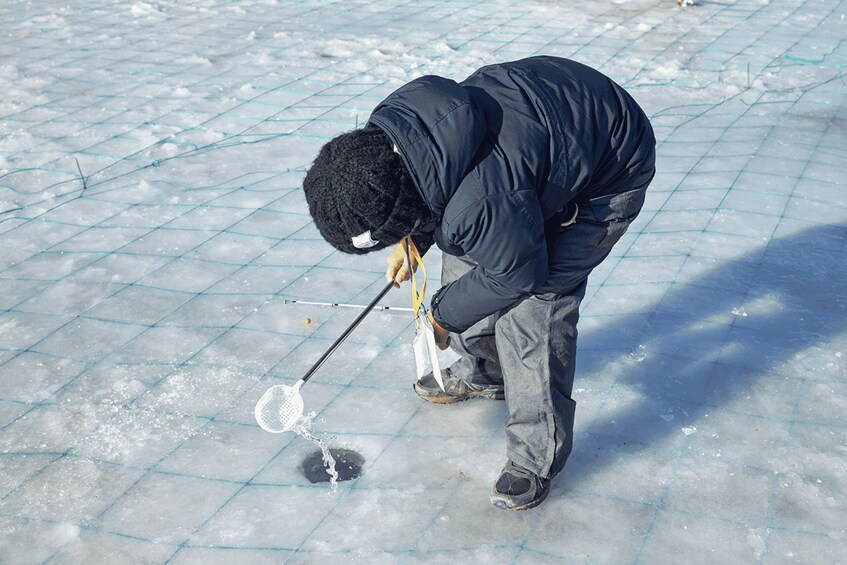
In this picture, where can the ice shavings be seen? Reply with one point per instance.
(143, 9)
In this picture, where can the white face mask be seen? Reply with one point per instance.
(363, 240)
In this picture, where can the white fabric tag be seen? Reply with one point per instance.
(426, 352)
(363, 240)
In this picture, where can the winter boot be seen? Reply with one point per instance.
(455, 389)
(519, 489)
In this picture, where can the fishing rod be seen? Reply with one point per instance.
(343, 305)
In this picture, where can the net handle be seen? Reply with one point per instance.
(346, 333)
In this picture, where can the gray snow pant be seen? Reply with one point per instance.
(530, 346)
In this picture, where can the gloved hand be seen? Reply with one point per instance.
(397, 270)
(442, 336)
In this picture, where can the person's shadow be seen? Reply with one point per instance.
(709, 345)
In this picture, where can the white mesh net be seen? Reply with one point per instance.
(280, 408)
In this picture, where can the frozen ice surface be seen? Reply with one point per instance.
(152, 228)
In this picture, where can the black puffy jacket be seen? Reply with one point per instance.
(499, 154)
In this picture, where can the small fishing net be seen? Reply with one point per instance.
(280, 408)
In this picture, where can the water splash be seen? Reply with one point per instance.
(303, 429)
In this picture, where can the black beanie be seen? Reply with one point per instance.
(359, 193)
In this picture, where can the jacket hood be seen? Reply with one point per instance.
(437, 130)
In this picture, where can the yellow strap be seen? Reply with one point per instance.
(413, 253)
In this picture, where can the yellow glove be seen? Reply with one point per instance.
(442, 336)
(397, 270)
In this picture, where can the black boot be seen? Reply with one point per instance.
(519, 489)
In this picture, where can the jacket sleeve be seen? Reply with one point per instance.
(504, 234)
(423, 242)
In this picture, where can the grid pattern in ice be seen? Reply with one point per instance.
(152, 227)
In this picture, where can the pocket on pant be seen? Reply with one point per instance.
(614, 232)
(623, 206)
(616, 212)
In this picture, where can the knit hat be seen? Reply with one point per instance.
(359, 193)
